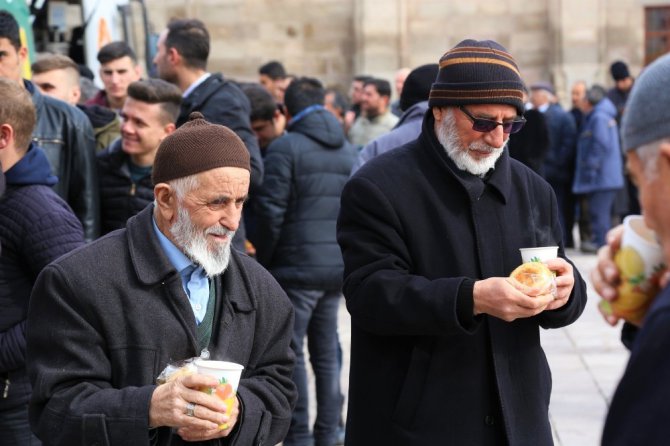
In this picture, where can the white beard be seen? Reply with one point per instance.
(447, 136)
(194, 241)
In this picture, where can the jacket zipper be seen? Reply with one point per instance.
(133, 189)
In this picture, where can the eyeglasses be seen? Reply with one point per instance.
(488, 125)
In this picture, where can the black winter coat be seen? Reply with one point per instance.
(36, 227)
(66, 135)
(120, 197)
(107, 318)
(414, 231)
(297, 206)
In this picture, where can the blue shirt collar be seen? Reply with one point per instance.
(177, 258)
(304, 112)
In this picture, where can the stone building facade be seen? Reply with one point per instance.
(557, 40)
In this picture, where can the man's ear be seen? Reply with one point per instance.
(664, 153)
(173, 56)
(6, 135)
(165, 201)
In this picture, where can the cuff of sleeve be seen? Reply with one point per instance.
(465, 305)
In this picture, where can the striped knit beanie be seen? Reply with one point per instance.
(198, 146)
(477, 72)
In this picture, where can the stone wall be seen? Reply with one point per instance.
(557, 40)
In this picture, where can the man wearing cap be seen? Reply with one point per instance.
(109, 317)
(623, 83)
(639, 411)
(444, 347)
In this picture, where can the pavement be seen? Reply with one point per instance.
(586, 358)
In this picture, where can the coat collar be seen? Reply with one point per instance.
(500, 179)
(152, 265)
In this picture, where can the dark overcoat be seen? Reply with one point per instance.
(105, 319)
(413, 229)
(639, 411)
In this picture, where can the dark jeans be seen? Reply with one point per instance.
(600, 213)
(14, 428)
(316, 318)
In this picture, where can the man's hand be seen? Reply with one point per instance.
(223, 430)
(565, 281)
(605, 276)
(169, 401)
(508, 300)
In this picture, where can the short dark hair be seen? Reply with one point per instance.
(302, 93)
(595, 94)
(191, 40)
(263, 105)
(9, 29)
(17, 110)
(50, 62)
(273, 69)
(158, 91)
(382, 86)
(362, 78)
(115, 50)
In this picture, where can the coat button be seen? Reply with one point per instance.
(489, 420)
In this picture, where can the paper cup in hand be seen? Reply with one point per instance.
(228, 374)
(640, 263)
(539, 254)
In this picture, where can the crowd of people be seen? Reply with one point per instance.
(162, 219)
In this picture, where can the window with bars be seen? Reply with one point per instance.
(657, 32)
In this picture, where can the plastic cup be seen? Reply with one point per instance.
(640, 263)
(539, 254)
(228, 374)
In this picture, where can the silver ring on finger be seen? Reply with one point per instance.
(190, 409)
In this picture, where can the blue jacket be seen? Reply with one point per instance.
(559, 164)
(36, 227)
(599, 161)
(407, 129)
(297, 206)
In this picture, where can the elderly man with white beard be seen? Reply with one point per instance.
(106, 319)
(445, 348)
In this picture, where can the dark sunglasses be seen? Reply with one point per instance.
(488, 125)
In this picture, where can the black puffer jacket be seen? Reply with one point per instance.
(305, 171)
(65, 134)
(120, 197)
(36, 227)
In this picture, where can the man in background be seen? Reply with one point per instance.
(296, 209)
(58, 76)
(118, 69)
(124, 168)
(272, 76)
(36, 227)
(399, 81)
(376, 118)
(63, 131)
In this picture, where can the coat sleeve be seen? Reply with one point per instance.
(83, 188)
(568, 142)
(268, 394)
(382, 294)
(273, 198)
(73, 400)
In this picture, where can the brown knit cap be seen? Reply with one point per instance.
(198, 146)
